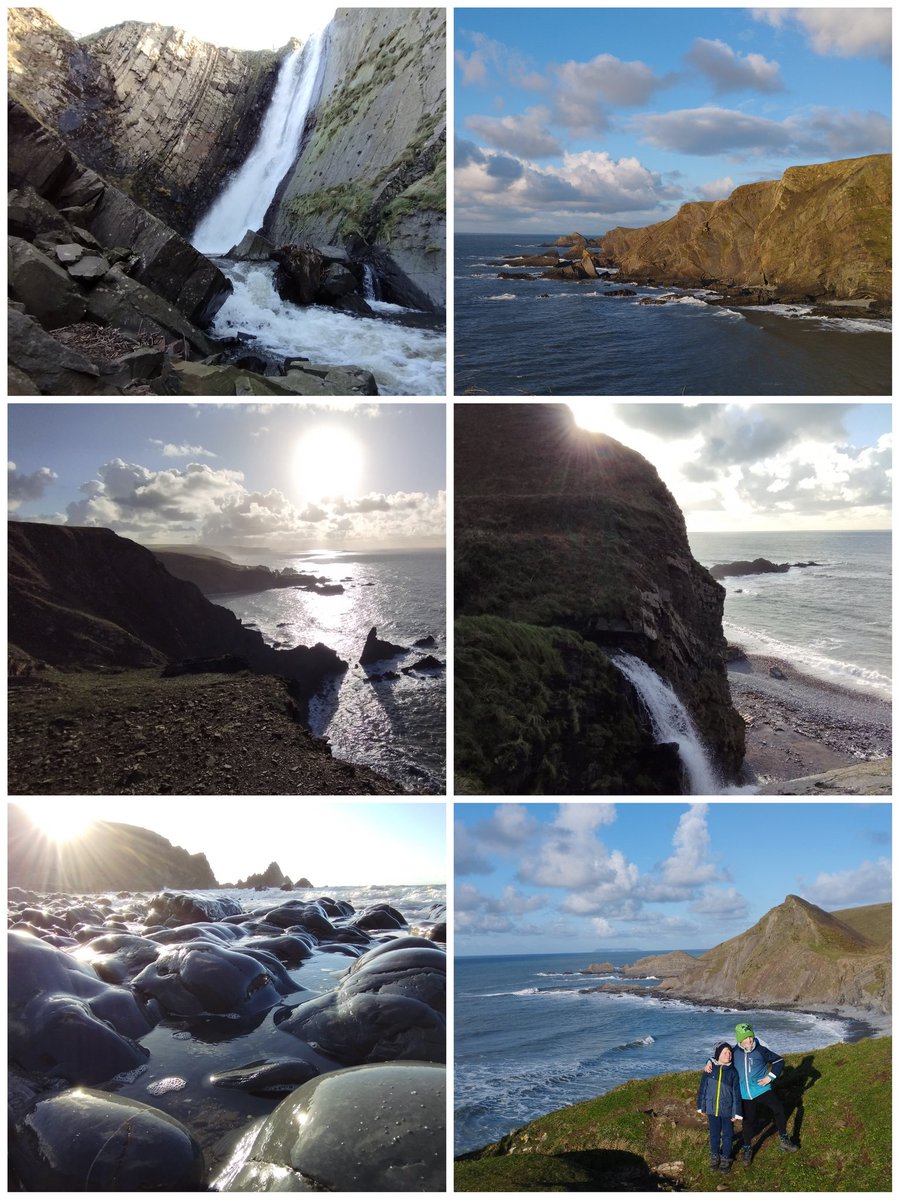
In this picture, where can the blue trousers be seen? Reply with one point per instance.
(720, 1127)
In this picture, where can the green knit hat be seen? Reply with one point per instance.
(743, 1031)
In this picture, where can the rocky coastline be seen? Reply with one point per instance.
(174, 1041)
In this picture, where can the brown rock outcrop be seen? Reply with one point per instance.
(797, 956)
(820, 232)
(160, 113)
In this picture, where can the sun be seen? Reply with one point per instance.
(328, 462)
(58, 820)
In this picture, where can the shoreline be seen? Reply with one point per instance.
(801, 725)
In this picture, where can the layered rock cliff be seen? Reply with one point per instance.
(163, 115)
(796, 956)
(569, 546)
(87, 598)
(821, 232)
(372, 171)
(106, 855)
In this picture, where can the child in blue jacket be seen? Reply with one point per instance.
(719, 1097)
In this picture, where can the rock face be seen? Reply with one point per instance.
(217, 575)
(797, 956)
(820, 232)
(372, 172)
(568, 546)
(106, 856)
(161, 114)
(87, 598)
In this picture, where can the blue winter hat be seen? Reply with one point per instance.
(720, 1046)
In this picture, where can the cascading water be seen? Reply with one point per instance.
(243, 203)
(671, 722)
(369, 289)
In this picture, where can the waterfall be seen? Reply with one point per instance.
(671, 722)
(369, 289)
(246, 198)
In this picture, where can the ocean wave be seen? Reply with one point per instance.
(636, 1042)
(834, 670)
(728, 312)
(502, 296)
(846, 324)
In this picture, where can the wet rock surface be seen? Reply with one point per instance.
(134, 1085)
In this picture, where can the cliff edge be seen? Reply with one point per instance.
(569, 547)
(821, 232)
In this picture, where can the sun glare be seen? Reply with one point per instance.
(59, 820)
(328, 462)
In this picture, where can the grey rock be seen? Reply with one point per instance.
(252, 247)
(89, 268)
(43, 287)
(49, 366)
(68, 252)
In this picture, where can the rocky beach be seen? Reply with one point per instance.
(174, 1039)
(800, 728)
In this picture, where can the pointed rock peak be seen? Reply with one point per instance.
(375, 649)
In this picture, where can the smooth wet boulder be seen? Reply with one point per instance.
(266, 1076)
(204, 978)
(300, 273)
(389, 1005)
(87, 1141)
(376, 1128)
(380, 916)
(118, 957)
(182, 908)
(65, 1021)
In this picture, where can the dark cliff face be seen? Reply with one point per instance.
(560, 528)
(161, 114)
(106, 856)
(87, 598)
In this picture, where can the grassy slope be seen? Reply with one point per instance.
(838, 1102)
(871, 920)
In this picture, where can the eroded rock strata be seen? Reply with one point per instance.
(820, 232)
(569, 547)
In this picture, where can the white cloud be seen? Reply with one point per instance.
(526, 134)
(711, 130)
(473, 67)
(839, 32)
(729, 71)
(722, 904)
(470, 857)
(170, 450)
(22, 487)
(689, 867)
(717, 189)
(869, 883)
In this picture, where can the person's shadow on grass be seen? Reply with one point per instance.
(792, 1083)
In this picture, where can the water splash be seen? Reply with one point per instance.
(246, 198)
(671, 722)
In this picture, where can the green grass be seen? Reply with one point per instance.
(871, 920)
(838, 1102)
(541, 711)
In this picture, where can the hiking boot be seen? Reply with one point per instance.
(714, 1162)
(785, 1143)
(747, 1153)
(724, 1164)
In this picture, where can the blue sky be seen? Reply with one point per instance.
(587, 118)
(287, 476)
(378, 843)
(547, 878)
(771, 466)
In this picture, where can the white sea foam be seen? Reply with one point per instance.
(404, 361)
(502, 296)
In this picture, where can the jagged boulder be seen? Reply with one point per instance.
(375, 649)
(300, 272)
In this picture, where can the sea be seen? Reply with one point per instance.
(528, 1042)
(550, 337)
(831, 621)
(397, 727)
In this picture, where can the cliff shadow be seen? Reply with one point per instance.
(792, 1085)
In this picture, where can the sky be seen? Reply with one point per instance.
(770, 466)
(281, 476)
(334, 844)
(260, 27)
(566, 878)
(582, 119)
